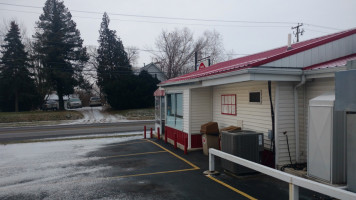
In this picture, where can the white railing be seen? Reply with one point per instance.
(294, 181)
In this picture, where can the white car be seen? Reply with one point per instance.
(94, 101)
(74, 103)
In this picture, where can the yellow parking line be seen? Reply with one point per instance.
(189, 163)
(134, 154)
(127, 143)
(153, 173)
(231, 188)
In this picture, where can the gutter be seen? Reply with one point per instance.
(259, 70)
(296, 117)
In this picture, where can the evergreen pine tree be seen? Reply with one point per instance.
(60, 49)
(112, 58)
(115, 77)
(17, 88)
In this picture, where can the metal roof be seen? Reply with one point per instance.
(332, 63)
(159, 93)
(258, 59)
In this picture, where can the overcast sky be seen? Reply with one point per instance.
(246, 35)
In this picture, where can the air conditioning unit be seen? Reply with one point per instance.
(244, 144)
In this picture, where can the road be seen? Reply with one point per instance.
(8, 135)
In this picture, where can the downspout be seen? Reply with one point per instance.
(296, 116)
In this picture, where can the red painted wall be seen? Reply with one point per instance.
(195, 139)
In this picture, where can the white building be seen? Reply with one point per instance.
(236, 93)
(154, 71)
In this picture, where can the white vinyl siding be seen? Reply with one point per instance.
(285, 116)
(285, 122)
(256, 117)
(201, 108)
(314, 88)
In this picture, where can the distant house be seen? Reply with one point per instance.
(154, 71)
(240, 92)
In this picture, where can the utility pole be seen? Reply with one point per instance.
(298, 31)
(195, 60)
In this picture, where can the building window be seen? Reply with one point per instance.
(228, 104)
(175, 110)
(255, 97)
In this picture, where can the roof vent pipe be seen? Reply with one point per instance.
(289, 42)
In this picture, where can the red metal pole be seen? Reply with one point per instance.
(144, 134)
(175, 140)
(186, 145)
(158, 134)
(151, 133)
(165, 135)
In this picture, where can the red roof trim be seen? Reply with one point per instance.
(262, 58)
(345, 58)
(159, 93)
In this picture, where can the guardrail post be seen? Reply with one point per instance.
(186, 145)
(144, 134)
(211, 162)
(165, 135)
(293, 192)
(175, 140)
(151, 133)
(158, 134)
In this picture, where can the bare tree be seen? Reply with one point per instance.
(132, 55)
(230, 54)
(175, 55)
(90, 70)
(213, 47)
(176, 50)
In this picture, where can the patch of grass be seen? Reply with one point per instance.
(67, 139)
(33, 116)
(134, 114)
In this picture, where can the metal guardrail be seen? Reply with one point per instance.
(294, 181)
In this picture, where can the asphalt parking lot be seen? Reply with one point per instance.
(131, 168)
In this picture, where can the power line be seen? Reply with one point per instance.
(161, 22)
(325, 27)
(162, 17)
(136, 49)
(317, 31)
(172, 18)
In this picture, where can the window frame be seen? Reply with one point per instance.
(172, 103)
(231, 107)
(255, 91)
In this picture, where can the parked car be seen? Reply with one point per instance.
(94, 101)
(74, 103)
(50, 105)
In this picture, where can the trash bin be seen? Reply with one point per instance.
(209, 128)
(209, 141)
(210, 136)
